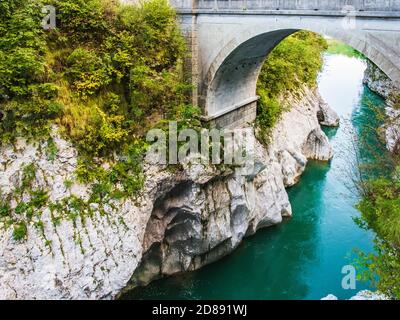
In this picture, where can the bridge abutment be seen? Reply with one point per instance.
(238, 117)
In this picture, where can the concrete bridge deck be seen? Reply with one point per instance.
(377, 8)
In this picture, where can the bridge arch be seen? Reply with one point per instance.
(230, 81)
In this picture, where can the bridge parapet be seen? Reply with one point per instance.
(250, 6)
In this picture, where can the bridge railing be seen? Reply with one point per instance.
(317, 5)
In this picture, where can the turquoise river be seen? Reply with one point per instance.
(303, 257)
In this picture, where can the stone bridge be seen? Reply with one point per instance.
(230, 39)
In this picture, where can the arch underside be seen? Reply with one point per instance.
(232, 77)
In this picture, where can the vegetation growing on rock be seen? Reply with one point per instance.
(380, 192)
(104, 74)
(295, 62)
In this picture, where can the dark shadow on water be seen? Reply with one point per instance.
(330, 131)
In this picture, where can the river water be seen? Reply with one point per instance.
(303, 257)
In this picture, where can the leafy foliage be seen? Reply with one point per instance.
(100, 50)
(86, 72)
(22, 47)
(121, 81)
(337, 47)
(25, 93)
(81, 22)
(5, 210)
(380, 208)
(20, 231)
(295, 62)
(382, 268)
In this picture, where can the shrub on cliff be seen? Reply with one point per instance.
(295, 62)
(25, 98)
(138, 59)
(86, 72)
(82, 22)
(22, 48)
(98, 48)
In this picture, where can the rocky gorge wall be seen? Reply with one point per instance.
(184, 220)
(380, 83)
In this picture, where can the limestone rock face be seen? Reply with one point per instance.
(327, 116)
(369, 295)
(392, 129)
(317, 146)
(51, 264)
(330, 297)
(362, 295)
(379, 83)
(298, 136)
(183, 220)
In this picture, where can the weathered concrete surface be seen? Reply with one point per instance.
(237, 117)
(302, 6)
(229, 40)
